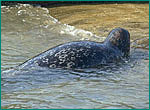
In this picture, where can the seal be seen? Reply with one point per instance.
(84, 54)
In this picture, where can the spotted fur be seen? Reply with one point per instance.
(83, 54)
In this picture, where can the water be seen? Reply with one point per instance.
(28, 31)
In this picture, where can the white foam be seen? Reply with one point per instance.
(71, 30)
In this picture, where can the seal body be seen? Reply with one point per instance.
(83, 54)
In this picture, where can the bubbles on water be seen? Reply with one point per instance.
(20, 12)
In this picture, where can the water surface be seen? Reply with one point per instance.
(27, 31)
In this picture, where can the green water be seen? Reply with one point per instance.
(26, 31)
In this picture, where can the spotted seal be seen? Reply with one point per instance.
(83, 54)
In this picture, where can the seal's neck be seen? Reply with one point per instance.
(119, 38)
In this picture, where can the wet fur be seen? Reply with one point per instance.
(83, 54)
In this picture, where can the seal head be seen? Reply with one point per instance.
(120, 38)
